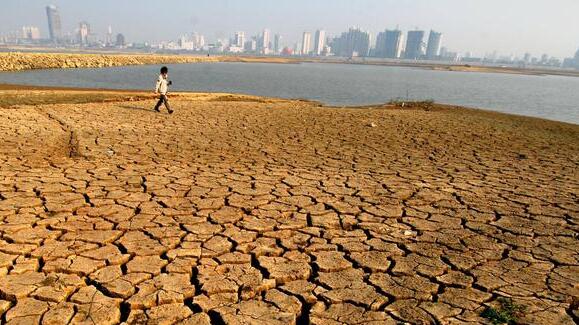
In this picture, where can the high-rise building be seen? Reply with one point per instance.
(198, 40)
(296, 49)
(251, 45)
(389, 44)
(30, 33)
(185, 43)
(277, 47)
(109, 39)
(239, 39)
(306, 43)
(354, 42)
(575, 60)
(544, 58)
(54, 24)
(120, 40)
(320, 42)
(434, 44)
(264, 45)
(380, 50)
(83, 33)
(414, 45)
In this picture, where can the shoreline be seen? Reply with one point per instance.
(21, 61)
(140, 95)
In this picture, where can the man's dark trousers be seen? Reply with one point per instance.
(163, 100)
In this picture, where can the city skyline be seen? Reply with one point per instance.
(356, 42)
(220, 19)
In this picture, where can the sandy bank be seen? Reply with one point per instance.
(29, 61)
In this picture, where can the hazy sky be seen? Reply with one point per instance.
(480, 26)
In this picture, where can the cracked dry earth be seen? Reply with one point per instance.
(253, 211)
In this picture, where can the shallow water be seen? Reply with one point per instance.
(550, 97)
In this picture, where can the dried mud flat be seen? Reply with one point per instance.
(240, 210)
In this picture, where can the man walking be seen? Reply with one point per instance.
(162, 89)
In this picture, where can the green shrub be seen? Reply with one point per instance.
(507, 313)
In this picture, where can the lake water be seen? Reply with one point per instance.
(550, 97)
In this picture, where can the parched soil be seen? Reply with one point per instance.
(244, 210)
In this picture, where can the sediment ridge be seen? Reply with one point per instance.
(31, 61)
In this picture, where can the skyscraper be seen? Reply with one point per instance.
(320, 42)
(198, 40)
(354, 42)
(389, 44)
(30, 33)
(414, 45)
(83, 33)
(251, 45)
(277, 47)
(120, 40)
(109, 39)
(306, 43)
(265, 40)
(380, 50)
(239, 39)
(54, 24)
(434, 44)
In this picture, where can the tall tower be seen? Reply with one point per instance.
(120, 40)
(389, 44)
(277, 43)
(394, 40)
(83, 32)
(54, 24)
(414, 45)
(265, 40)
(109, 40)
(239, 39)
(30, 32)
(434, 44)
(353, 43)
(198, 40)
(320, 42)
(306, 43)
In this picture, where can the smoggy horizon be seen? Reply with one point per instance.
(516, 27)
